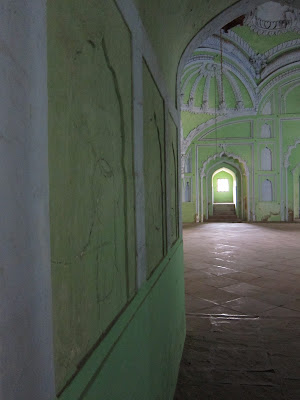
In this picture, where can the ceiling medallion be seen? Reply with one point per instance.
(211, 70)
(273, 19)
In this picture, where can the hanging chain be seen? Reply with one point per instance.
(221, 100)
(216, 105)
(221, 46)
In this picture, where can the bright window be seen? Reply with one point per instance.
(223, 185)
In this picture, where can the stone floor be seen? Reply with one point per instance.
(243, 312)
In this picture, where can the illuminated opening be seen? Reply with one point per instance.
(223, 185)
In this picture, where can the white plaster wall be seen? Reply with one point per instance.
(26, 365)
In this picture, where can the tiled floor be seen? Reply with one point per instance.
(243, 312)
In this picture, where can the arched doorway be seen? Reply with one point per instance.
(231, 196)
(224, 186)
(239, 176)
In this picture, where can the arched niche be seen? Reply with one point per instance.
(188, 163)
(266, 159)
(187, 190)
(266, 131)
(267, 108)
(267, 190)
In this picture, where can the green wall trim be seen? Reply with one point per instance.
(188, 211)
(89, 372)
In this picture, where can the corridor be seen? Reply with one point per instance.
(242, 312)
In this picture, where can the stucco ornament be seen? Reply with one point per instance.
(211, 70)
(259, 61)
(273, 19)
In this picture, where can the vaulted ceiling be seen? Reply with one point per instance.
(177, 27)
(229, 72)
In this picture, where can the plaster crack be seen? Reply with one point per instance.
(161, 174)
(176, 187)
(123, 163)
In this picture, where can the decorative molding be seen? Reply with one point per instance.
(289, 22)
(193, 91)
(292, 85)
(230, 51)
(295, 169)
(231, 13)
(275, 51)
(182, 164)
(236, 90)
(289, 152)
(189, 69)
(211, 69)
(283, 61)
(222, 105)
(202, 127)
(205, 103)
(259, 62)
(240, 42)
(221, 154)
(197, 71)
(264, 89)
(250, 121)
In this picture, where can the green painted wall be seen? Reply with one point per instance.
(111, 340)
(154, 172)
(91, 175)
(223, 197)
(191, 121)
(293, 100)
(172, 171)
(140, 357)
(188, 212)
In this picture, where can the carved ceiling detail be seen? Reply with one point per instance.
(245, 80)
(273, 19)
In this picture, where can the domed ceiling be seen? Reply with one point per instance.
(228, 74)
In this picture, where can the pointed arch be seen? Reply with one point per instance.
(266, 159)
(267, 190)
(203, 172)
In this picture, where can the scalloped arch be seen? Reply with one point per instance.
(289, 152)
(227, 154)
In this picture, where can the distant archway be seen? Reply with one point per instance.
(204, 194)
(239, 187)
(224, 186)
